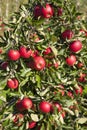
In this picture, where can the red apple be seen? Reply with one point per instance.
(75, 46)
(38, 11)
(80, 65)
(47, 11)
(45, 107)
(32, 124)
(24, 52)
(79, 90)
(35, 53)
(82, 77)
(47, 51)
(24, 104)
(57, 105)
(12, 83)
(71, 60)
(13, 54)
(4, 65)
(67, 34)
(70, 94)
(39, 63)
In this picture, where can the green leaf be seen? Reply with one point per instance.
(82, 120)
(3, 82)
(54, 50)
(34, 117)
(38, 80)
(69, 111)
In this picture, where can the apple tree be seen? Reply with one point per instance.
(43, 75)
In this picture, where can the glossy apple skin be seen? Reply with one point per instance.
(67, 34)
(32, 124)
(13, 54)
(24, 52)
(24, 104)
(12, 83)
(45, 107)
(47, 51)
(75, 46)
(39, 63)
(47, 11)
(71, 60)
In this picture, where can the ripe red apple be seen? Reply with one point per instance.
(57, 105)
(38, 11)
(75, 46)
(24, 104)
(31, 125)
(35, 53)
(71, 60)
(60, 12)
(45, 107)
(47, 11)
(47, 51)
(67, 34)
(70, 94)
(82, 77)
(12, 83)
(79, 90)
(39, 63)
(80, 65)
(13, 54)
(24, 52)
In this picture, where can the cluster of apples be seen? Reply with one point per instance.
(44, 107)
(46, 12)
